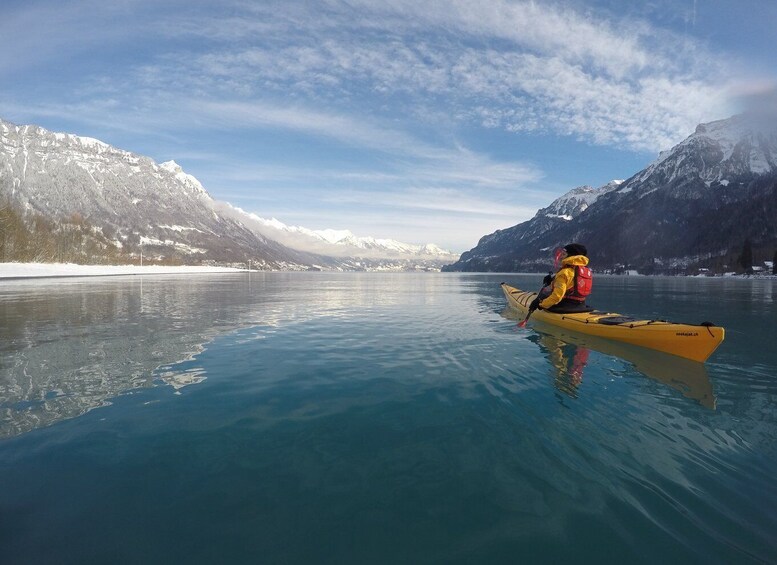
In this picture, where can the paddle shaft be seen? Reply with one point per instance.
(556, 258)
(528, 315)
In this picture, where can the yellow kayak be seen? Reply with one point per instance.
(695, 342)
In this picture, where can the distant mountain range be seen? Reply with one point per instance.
(138, 205)
(338, 243)
(692, 207)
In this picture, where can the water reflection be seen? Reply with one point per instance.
(568, 354)
(567, 362)
(68, 346)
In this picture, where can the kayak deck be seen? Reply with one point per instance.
(695, 342)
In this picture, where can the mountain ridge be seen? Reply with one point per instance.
(159, 209)
(694, 206)
(342, 243)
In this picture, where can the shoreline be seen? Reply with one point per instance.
(33, 271)
(26, 271)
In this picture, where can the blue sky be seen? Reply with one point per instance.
(433, 121)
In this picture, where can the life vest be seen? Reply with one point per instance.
(581, 285)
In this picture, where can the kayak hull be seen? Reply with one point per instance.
(695, 342)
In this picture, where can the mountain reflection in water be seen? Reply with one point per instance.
(68, 346)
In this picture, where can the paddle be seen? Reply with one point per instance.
(556, 257)
(522, 324)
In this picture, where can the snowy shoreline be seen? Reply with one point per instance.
(50, 270)
(21, 271)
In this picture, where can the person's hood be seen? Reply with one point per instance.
(575, 261)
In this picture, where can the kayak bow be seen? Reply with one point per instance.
(695, 342)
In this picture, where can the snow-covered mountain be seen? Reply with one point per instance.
(577, 200)
(338, 243)
(561, 211)
(127, 196)
(139, 204)
(730, 147)
(715, 154)
(695, 204)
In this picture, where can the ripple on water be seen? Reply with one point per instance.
(382, 418)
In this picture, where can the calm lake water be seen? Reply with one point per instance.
(378, 418)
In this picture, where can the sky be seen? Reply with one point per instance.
(422, 121)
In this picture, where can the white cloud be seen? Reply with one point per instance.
(527, 66)
(539, 27)
(435, 200)
(401, 80)
(430, 162)
(258, 114)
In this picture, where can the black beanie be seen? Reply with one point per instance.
(576, 249)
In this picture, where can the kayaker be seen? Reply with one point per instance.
(567, 290)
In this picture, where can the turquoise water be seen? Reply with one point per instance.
(378, 418)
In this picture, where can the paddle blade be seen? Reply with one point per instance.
(522, 324)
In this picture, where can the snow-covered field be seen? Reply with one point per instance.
(34, 270)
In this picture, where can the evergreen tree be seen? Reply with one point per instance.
(746, 259)
(774, 264)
